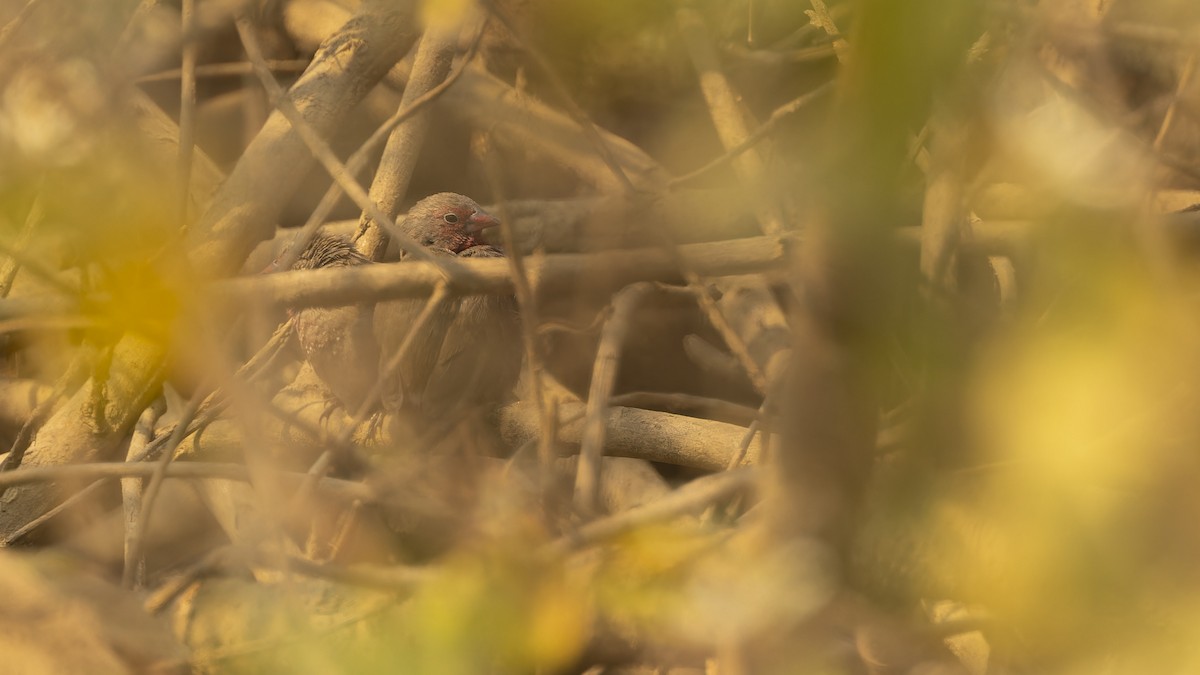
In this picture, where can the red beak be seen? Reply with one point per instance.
(480, 221)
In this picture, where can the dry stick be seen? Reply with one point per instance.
(75, 371)
(241, 211)
(690, 498)
(560, 88)
(325, 155)
(347, 522)
(37, 268)
(389, 577)
(187, 108)
(604, 377)
(131, 489)
(778, 115)
(342, 489)
(233, 69)
(209, 410)
(399, 161)
(136, 540)
(358, 161)
(1185, 78)
(803, 32)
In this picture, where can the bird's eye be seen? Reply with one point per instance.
(450, 218)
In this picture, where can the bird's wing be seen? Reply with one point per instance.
(392, 321)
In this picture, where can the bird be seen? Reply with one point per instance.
(469, 355)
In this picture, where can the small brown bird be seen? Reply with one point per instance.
(470, 354)
(338, 342)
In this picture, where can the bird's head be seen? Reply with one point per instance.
(448, 220)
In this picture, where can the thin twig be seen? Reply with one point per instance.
(137, 538)
(778, 115)
(187, 109)
(604, 376)
(389, 577)
(131, 490)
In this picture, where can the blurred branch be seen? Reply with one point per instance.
(342, 489)
(236, 69)
(944, 213)
(691, 498)
(604, 376)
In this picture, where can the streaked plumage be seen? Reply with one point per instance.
(338, 342)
